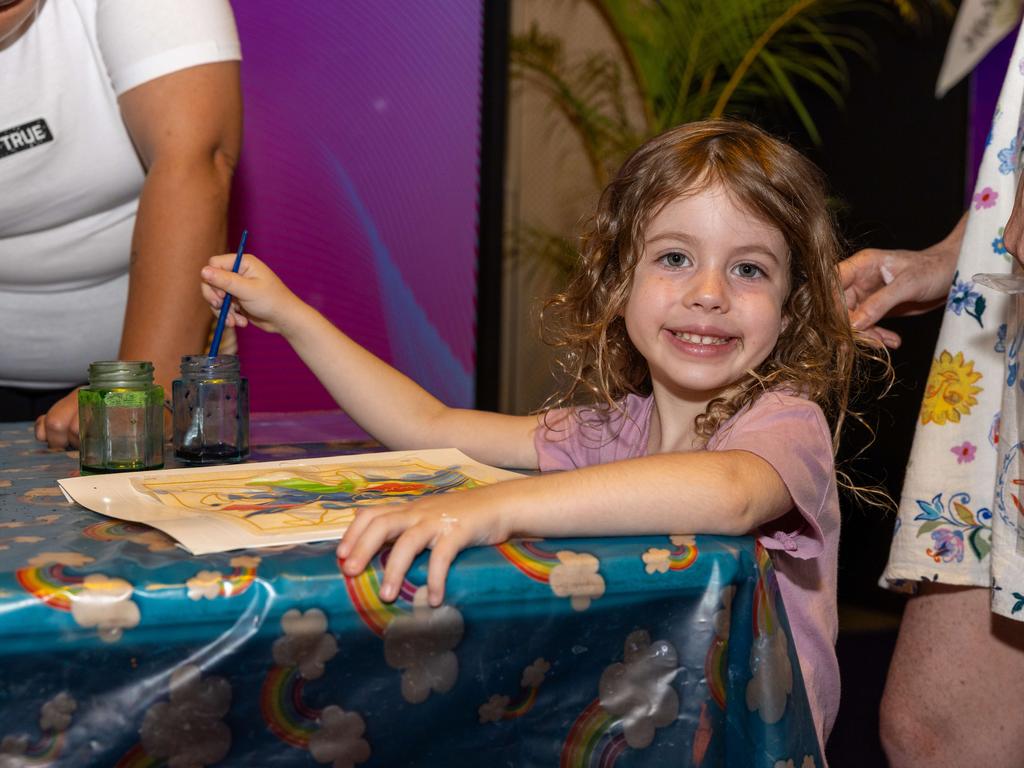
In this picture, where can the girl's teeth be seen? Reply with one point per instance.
(693, 338)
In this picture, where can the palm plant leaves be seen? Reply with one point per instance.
(690, 59)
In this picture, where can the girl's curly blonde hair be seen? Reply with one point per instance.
(816, 351)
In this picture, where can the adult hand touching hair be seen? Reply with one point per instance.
(878, 283)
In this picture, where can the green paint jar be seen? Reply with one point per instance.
(211, 410)
(121, 418)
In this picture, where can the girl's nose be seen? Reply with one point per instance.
(708, 291)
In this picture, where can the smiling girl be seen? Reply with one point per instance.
(707, 349)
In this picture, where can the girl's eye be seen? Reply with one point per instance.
(749, 271)
(675, 259)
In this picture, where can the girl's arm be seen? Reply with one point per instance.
(385, 402)
(709, 492)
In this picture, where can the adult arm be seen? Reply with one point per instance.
(880, 283)
(1013, 234)
(186, 127)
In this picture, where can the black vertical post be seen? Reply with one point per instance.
(493, 112)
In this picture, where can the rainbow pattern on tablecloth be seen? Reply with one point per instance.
(526, 556)
(283, 709)
(682, 557)
(137, 757)
(364, 592)
(238, 581)
(591, 742)
(114, 530)
(766, 591)
(715, 667)
(520, 705)
(50, 584)
(43, 751)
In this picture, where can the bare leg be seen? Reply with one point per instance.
(955, 692)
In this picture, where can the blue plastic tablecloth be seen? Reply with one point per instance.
(119, 649)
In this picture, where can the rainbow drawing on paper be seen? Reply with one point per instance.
(215, 509)
(285, 499)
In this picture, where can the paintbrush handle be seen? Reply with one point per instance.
(226, 306)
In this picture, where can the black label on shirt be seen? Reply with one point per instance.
(22, 137)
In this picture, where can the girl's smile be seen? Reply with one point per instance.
(705, 306)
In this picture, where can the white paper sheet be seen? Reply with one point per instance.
(215, 509)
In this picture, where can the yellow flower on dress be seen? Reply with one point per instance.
(950, 391)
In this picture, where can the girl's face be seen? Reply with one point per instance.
(706, 300)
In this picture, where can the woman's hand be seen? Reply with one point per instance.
(258, 295)
(58, 427)
(446, 524)
(879, 283)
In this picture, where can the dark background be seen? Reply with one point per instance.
(896, 161)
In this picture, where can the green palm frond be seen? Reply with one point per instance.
(685, 60)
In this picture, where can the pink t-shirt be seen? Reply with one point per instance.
(791, 434)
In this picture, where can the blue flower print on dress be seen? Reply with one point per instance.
(949, 546)
(1012, 352)
(951, 527)
(963, 299)
(1008, 158)
(999, 245)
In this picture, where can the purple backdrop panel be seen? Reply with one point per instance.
(358, 182)
(986, 82)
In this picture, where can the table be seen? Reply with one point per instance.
(119, 649)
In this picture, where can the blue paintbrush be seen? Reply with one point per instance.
(219, 330)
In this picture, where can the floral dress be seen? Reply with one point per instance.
(962, 496)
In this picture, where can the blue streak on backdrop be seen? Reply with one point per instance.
(419, 349)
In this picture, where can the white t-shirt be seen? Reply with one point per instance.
(70, 177)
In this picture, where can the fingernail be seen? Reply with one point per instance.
(387, 592)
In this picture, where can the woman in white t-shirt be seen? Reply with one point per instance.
(120, 127)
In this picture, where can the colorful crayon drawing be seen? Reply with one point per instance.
(283, 499)
(283, 502)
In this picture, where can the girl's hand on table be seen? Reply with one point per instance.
(446, 524)
(257, 294)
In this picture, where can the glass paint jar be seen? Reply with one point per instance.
(121, 418)
(211, 410)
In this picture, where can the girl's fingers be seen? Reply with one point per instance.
(441, 556)
(406, 547)
(377, 533)
(354, 531)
